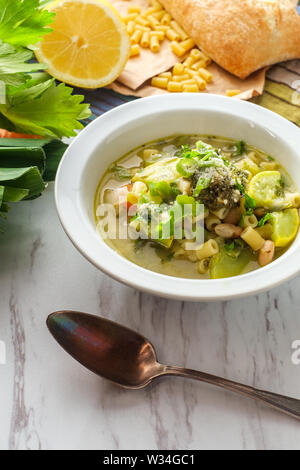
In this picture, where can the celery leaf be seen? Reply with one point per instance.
(22, 23)
(14, 66)
(45, 109)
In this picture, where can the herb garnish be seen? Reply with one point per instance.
(241, 148)
(265, 219)
(234, 248)
(250, 203)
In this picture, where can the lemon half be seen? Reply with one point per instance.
(88, 47)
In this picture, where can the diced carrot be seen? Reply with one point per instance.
(16, 135)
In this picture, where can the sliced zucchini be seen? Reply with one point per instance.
(266, 188)
(285, 227)
(164, 170)
(222, 265)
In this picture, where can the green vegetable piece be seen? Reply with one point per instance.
(267, 191)
(165, 228)
(264, 220)
(285, 226)
(21, 157)
(120, 172)
(229, 247)
(14, 63)
(54, 151)
(241, 148)
(187, 152)
(2, 188)
(31, 143)
(14, 194)
(203, 183)
(45, 109)
(23, 22)
(250, 204)
(203, 147)
(242, 221)
(24, 178)
(163, 190)
(43, 153)
(185, 200)
(234, 248)
(240, 187)
(223, 266)
(164, 170)
(186, 167)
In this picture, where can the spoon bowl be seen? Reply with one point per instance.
(106, 348)
(129, 359)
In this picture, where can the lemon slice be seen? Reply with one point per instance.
(285, 226)
(266, 189)
(89, 46)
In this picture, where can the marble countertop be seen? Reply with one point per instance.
(48, 401)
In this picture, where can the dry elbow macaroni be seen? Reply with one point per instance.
(232, 93)
(190, 76)
(149, 29)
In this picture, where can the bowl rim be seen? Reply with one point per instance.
(126, 272)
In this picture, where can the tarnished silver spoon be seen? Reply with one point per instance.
(129, 359)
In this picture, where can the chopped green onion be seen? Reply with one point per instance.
(186, 166)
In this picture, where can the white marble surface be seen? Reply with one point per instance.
(48, 401)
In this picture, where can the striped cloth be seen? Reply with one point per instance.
(280, 93)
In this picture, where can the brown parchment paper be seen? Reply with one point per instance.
(135, 79)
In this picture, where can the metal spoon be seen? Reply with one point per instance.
(128, 359)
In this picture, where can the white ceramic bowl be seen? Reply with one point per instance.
(133, 124)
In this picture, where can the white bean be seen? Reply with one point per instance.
(266, 253)
(228, 231)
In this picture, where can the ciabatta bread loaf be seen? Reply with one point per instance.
(241, 36)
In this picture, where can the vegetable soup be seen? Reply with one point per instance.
(243, 199)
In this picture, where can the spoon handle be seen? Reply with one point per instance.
(287, 405)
